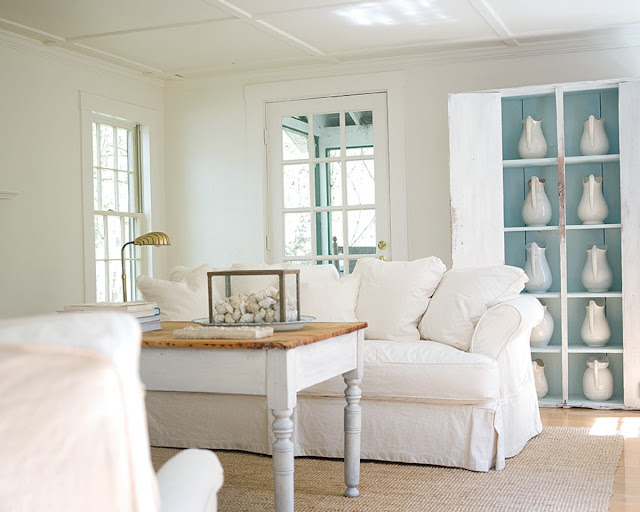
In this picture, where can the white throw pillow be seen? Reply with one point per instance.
(330, 300)
(184, 298)
(462, 297)
(394, 295)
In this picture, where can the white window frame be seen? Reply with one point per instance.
(151, 129)
(393, 83)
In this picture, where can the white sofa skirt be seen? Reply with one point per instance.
(476, 437)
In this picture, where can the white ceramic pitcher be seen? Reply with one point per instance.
(593, 208)
(594, 139)
(597, 381)
(542, 387)
(595, 329)
(596, 274)
(532, 143)
(541, 333)
(536, 209)
(537, 269)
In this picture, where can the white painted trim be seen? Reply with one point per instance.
(152, 175)
(394, 84)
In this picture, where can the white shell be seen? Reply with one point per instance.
(259, 316)
(220, 308)
(261, 295)
(247, 318)
(253, 307)
(266, 302)
(218, 318)
(228, 307)
(272, 291)
(235, 301)
(228, 318)
(270, 315)
(236, 315)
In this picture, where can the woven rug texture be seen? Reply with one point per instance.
(562, 469)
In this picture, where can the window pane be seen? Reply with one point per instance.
(123, 148)
(297, 234)
(358, 130)
(326, 131)
(108, 190)
(94, 138)
(124, 196)
(296, 185)
(295, 137)
(115, 281)
(363, 151)
(114, 237)
(362, 231)
(329, 233)
(96, 190)
(101, 292)
(361, 186)
(106, 146)
(98, 222)
(329, 184)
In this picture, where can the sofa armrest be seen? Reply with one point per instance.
(504, 322)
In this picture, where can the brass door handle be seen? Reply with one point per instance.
(382, 257)
(382, 245)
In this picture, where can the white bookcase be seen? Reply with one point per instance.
(488, 184)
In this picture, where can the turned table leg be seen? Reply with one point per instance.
(352, 429)
(283, 460)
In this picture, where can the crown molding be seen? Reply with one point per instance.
(59, 52)
(8, 194)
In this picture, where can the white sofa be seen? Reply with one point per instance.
(448, 377)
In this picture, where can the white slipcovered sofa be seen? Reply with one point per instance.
(448, 378)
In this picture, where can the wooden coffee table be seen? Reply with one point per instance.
(276, 367)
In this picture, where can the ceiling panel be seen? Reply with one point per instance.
(565, 16)
(73, 18)
(262, 6)
(376, 25)
(195, 48)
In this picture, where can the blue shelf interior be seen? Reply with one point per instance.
(576, 312)
(515, 110)
(610, 174)
(578, 365)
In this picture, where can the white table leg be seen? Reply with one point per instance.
(352, 429)
(283, 460)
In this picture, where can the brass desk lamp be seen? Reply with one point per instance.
(152, 238)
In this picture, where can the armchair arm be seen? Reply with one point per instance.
(189, 482)
(504, 322)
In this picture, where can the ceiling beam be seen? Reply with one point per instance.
(492, 19)
(261, 24)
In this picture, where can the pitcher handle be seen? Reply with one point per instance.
(592, 131)
(594, 263)
(596, 379)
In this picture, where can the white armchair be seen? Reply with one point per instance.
(73, 431)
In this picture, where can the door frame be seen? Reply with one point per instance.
(392, 83)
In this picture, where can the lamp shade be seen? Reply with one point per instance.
(153, 238)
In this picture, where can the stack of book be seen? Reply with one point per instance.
(147, 313)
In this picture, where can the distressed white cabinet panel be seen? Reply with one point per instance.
(475, 179)
(630, 218)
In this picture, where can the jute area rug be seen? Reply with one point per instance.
(562, 469)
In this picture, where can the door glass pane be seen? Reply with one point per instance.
(295, 180)
(362, 231)
(358, 132)
(361, 187)
(295, 137)
(326, 131)
(297, 234)
(329, 233)
(329, 184)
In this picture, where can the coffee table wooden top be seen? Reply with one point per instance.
(310, 333)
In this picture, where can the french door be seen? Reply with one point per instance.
(328, 180)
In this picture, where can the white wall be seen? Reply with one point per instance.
(214, 201)
(41, 230)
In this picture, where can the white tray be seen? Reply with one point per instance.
(292, 325)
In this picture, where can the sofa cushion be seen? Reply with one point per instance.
(423, 371)
(183, 298)
(329, 300)
(394, 295)
(462, 297)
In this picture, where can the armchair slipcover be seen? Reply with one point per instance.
(73, 431)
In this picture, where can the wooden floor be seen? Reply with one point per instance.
(626, 487)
